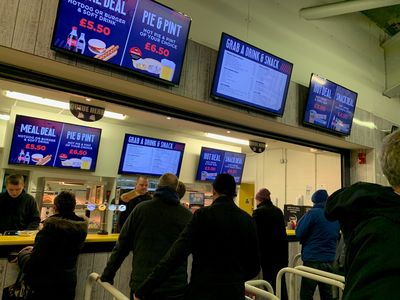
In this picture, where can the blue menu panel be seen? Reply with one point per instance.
(41, 142)
(141, 36)
(330, 106)
(214, 161)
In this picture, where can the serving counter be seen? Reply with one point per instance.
(93, 258)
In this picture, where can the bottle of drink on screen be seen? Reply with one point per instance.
(21, 156)
(72, 40)
(81, 44)
(27, 158)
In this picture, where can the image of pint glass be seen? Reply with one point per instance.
(86, 162)
(167, 69)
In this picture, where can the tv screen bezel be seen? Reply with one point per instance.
(198, 175)
(113, 66)
(123, 154)
(94, 161)
(240, 102)
(325, 129)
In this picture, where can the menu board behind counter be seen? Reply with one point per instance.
(329, 106)
(40, 142)
(250, 77)
(150, 156)
(214, 161)
(140, 36)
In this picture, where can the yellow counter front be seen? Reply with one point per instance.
(7, 240)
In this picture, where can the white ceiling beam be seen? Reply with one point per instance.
(343, 7)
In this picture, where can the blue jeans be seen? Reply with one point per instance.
(308, 285)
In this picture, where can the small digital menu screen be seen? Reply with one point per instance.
(251, 77)
(329, 106)
(214, 161)
(41, 142)
(141, 36)
(150, 156)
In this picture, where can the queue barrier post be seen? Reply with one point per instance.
(94, 277)
(298, 272)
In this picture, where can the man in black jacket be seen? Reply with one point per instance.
(369, 217)
(149, 232)
(271, 229)
(223, 241)
(18, 210)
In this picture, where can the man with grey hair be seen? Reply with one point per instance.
(369, 216)
(149, 232)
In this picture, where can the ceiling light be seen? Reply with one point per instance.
(4, 117)
(169, 118)
(54, 103)
(227, 138)
(370, 125)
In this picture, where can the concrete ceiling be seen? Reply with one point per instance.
(384, 13)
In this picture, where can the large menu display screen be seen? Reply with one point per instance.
(150, 156)
(141, 36)
(329, 106)
(214, 161)
(251, 77)
(41, 142)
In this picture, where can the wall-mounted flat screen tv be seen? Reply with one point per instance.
(250, 77)
(140, 36)
(329, 106)
(150, 156)
(40, 142)
(214, 161)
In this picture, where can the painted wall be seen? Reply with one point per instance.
(345, 49)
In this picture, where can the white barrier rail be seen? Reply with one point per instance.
(294, 271)
(259, 282)
(94, 277)
(322, 273)
(295, 260)
(259, 292)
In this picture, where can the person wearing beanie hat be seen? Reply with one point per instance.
(223, 241)
(272, 238)
(318, 238)
(263, 195)
(319, 196)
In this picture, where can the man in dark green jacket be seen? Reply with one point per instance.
(223, 241)
(369, 216)
(150, 230)
(18, 210)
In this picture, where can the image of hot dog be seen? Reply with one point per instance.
(109, 53)
(44, 160)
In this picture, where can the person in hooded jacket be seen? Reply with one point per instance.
(150, 230)
(49, 267)
(271, 230)
(223, 241)
(318, 238)
(369, 217)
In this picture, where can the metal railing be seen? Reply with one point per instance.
(251, 286)
(94, 277)
(307, 274)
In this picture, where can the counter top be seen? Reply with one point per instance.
(8, 240)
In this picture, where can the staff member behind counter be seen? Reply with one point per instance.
(133, 198)
(18, 209)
